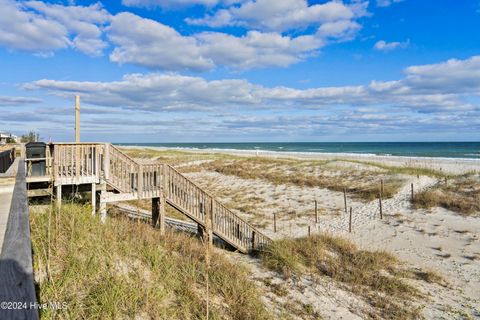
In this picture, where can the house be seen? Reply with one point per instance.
(7, 137)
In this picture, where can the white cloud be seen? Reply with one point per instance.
(17, 101)
(29, 31)
(382, 45)
(387, 3)
(273, 15)
(168, 3)
(83, 23)
(42, 28)
(429, 88)
(152, 44)
(451, 76)
(156, 92)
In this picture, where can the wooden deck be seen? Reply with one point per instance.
(112, 176)
(118, 177)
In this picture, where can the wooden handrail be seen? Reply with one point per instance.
(225, 222)
(16, 272)
(76, 163)
(146, 180)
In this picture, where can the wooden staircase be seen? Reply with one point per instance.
(122, 178)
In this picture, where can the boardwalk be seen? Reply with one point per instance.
(117, 177)
(113, 177)
(7, 184)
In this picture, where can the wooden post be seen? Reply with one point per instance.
(201, 231)
(411, 187)
(253, 239)
(77, 139)
(350, 221)
(381, 188)
(316, 211)
(103, 203)
(140, 182)
(274, 222)
(308, 231)
(106, 161)
(155, 211)
(345, 198)
(59, 196)
(380, 202)
(162, 212)
(209, 223)
(94, 199)
(77, 119)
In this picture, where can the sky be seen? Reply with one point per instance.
(242, 70)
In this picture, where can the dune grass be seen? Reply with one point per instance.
(126, 270)
(460, 194)
(360, 184)
(172, 157)
(376, 276)
(413, 171)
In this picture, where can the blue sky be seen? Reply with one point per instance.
(242, 70)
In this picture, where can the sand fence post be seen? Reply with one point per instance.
(316, 211)
(309, 231)
(350, 221)
(382, 188)
(345, 198)
(275, 222)
(380, 203)
(411, 188)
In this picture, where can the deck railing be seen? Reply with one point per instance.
(92, 162)
(76, 163)
(185, 194)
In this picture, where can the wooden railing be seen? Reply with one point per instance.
(7, 157)
(193, 200)
(76, 163)
(122, 171)
(150, 180)
(92, 162)
(129, 176)
(16, 272)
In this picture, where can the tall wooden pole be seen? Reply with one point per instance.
(77, 119)
(316, 211)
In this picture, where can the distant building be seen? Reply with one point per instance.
(6, 137)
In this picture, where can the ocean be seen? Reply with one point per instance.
(470, 150)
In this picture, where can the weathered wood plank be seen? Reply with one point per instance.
(16, 272)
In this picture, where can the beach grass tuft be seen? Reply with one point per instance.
(376, 276)
(122, 269)
(460, 194)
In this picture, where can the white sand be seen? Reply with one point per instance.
(438, 240)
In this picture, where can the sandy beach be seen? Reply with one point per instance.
(435, 238)
(447, 165)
